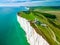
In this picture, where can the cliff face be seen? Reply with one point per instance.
(32, 37)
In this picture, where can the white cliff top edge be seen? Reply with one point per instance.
(32, 37)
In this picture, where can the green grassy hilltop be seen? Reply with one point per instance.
(45, 22)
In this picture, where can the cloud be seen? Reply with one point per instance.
(45, 0)
(25, 0)
(35, 3)
(10, 0)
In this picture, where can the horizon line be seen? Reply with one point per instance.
(33, 3)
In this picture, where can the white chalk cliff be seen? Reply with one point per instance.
(32, 37)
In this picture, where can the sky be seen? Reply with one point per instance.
(10, 0)
(46, 2)
(26, 0)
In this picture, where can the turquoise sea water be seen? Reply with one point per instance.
(11, 32)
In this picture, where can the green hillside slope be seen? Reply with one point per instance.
(45, 23)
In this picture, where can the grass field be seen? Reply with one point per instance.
(45, 22)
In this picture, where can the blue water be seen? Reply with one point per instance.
(11, 32)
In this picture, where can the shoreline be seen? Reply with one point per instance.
(32, 37)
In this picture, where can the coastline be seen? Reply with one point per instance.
(32, 37)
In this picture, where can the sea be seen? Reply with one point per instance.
(11, 33)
